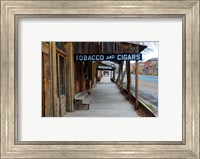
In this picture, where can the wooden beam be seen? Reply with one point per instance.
(128, 79)
(60, 52)
(136, 85)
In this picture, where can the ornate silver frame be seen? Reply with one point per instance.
(188, 10)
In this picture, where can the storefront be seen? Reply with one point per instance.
(71, 67)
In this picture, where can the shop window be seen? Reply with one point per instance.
(62, 79)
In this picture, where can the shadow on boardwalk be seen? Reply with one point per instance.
(107, 102)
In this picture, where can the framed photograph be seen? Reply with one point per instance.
(100, 79)
(108, 79)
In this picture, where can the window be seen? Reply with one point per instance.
(60, 46)
(62, 79)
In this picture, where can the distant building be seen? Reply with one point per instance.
(140, 68)
(149, 67)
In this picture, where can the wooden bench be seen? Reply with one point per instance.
(86, 101)
(82, 99)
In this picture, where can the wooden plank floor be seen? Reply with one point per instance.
(107, 102)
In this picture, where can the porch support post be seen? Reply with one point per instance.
(114, 75)
(117, 81)
(128, 79)
(70, 81)
(54, 81)
(136, 86)
(121, 74)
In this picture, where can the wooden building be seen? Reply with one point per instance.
(63, 77)
(57, 78)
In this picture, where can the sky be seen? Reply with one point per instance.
(151, 51)
(153, 54)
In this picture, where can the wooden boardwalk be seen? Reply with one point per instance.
(107, 102)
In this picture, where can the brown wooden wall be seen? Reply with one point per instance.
(47, 109)
(53, 102)
(83, 70)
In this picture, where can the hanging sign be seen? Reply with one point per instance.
(108, 57)
(105, 68)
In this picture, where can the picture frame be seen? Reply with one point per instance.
(12, 10)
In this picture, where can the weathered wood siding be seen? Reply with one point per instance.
(53, 104)
(47, 109)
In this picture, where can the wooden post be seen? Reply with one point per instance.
(121, 76)
(96, 72)
(118, 76)
(120, 70)
(72, 65)
(136, 85)
(114, 75)
(58, 83)
(70, 78)
(128, 79)
(54, 81)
